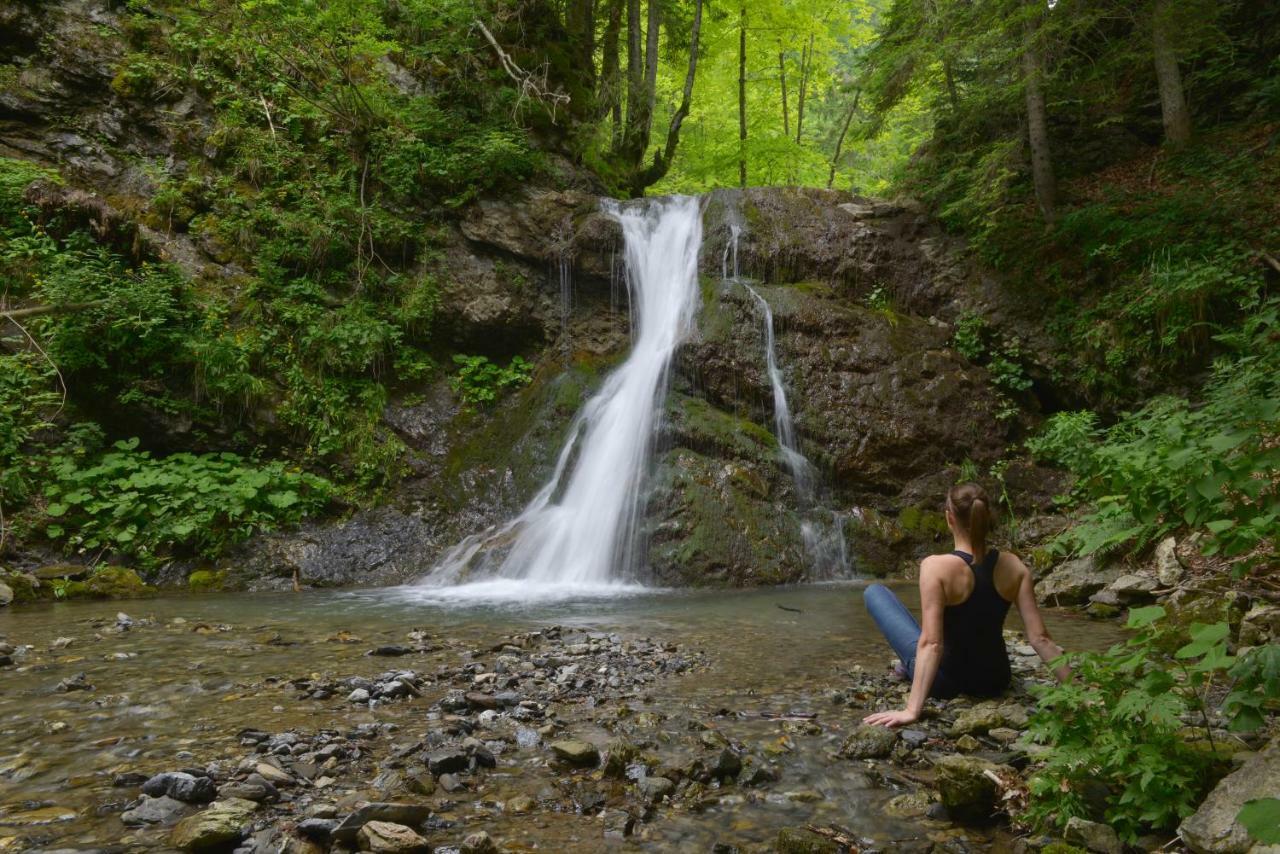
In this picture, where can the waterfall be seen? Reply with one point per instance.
(580, 531)
(822, 535)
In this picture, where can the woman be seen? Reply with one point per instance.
(964, 597)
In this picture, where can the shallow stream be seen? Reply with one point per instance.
(175, 690)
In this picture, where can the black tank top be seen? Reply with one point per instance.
(974, 658)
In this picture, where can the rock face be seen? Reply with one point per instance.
(1213, 828)
(1074, 582)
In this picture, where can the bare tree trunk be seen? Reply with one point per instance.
(581, 24)
(1173, 102)
(742, 96)
(37, 310)
(835, 158)
(1038, 125)
(662, 160)
(635, 77)
(650, 73)
(611, 72)
(782, 75)
(806, 64)
(951, 85)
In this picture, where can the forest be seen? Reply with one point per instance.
(266, 272)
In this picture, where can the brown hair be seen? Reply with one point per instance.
(969, 504)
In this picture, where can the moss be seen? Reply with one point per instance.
(26, 588)
(1062, 848)
(707, 429)
(207, 580)
(922, 523)
(111, 582)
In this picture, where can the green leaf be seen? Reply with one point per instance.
(1261, 818)
(53, 531)
(1203, 638)
(1217, 526)
(282, 500)
(1142, 617)
(56, 510)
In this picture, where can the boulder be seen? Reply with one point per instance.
(1075, 581)
(162, 810)
(1168, 568)
(1133, 587)
(410, 815)
(1261, 625)
(1093, 836)
(384, 837)
(576, 752)
(181, 787)
(869, 742)
(968, 787)
(1213, 828)
(223, 823)
(654, 789)
(984, 717)
(6, 594)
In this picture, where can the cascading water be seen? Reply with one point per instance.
(823, 538)
(580, 531)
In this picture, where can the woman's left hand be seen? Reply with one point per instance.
(890, 719)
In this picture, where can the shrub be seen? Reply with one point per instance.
(480, 381)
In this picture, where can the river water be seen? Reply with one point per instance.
(174, 691)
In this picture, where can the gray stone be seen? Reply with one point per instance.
(983, 718)
(218, 826)
(1261, 625)
(478, 843)
(448, 761)
(1168, 568)
(6, 594)
(181, 787)
(384, 837)
(654, 789)
(728, 764)
(869, 742)
(319, 829)
(1075, 581)
(967, 787)
(1133, 587)
(410, 815)
(576, 752)
(161, 810)
(1093, 835)
(1213, 828)
(914, 737)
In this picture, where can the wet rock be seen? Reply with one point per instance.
(520, 804)
(576, 752)
(760, 775)
(1092, 835)
(618, 824)
(218, 826)
(1168, 569)
(161, 810)
(869, 742)
(914, 737)
(800, 840)
(728, 764)
(181, 787)
(909, 805)
(1075, 581)
(654, 789)
(410, 815)
(79, 682)
(478, 843)
(619, 756)
(391, 650)
(383, 837)
(982, 718)
(273, 775)
(319, 829)
(448, 762)
(452, 783)
(6, 594)
(359, 695)
(257, 790)
(1213, 828)
(967, 791)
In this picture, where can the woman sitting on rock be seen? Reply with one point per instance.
(964, 600)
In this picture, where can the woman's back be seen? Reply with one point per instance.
(974, 658)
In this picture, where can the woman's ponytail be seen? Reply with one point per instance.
(972, 511)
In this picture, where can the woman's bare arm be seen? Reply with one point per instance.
(933, 599)
(1037, 634)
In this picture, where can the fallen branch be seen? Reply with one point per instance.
(529, 85)
(37, 310)
(1271, 260)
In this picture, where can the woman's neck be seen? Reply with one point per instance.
(963, 544)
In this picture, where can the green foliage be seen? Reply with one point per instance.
(479, 381)
(127, 502)
(1261, 818)
(1118, 723)
(1003, 358)
(27, 405)
(1173, 464)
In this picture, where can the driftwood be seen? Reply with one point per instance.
(37, 310)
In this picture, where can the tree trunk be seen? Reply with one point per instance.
(742, 96)
(782, 75)
(611, 72)
(1038, 125)
(1173, 102)
(635, 79)
(662, 159)
(806, 64)
(835, 158)
(951, 85)
(581, 24)
(650, 73)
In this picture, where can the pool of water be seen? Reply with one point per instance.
(176, 689)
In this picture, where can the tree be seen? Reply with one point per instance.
(1037, 116)
(1173, 103)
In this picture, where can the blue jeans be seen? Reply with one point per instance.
(895, 622)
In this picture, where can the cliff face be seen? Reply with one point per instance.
(864, 293)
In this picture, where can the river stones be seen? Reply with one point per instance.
(410, 815)
(799, 840)
(448, 761)
(654, 789)
(985, 717)
(728, 764)
(869, 742)
(6, 594)
(162, 810)
(221, 824)
(384, 837)
(1096, 837)
(968, 787)
(478, 843)
(576, 752)
(181, 787)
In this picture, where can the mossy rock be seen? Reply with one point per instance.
(922, 523)
(207, 580)
(111, 582)
(800, 840)
(26, 588)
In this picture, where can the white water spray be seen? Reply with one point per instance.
(580, 531)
